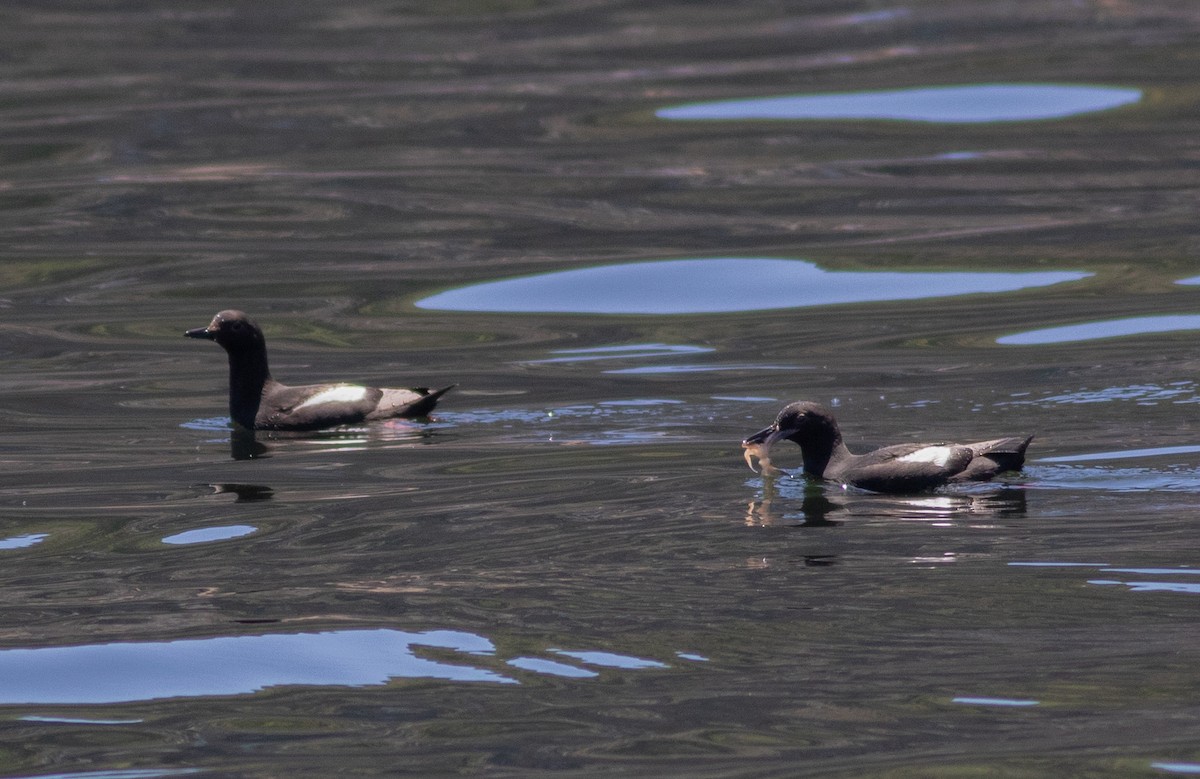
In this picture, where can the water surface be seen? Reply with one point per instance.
(568, 569)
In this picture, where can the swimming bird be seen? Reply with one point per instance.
(258, 402)
(900, 468)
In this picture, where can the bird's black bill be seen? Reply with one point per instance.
(759, 446)
(761, 437)
(201, 332)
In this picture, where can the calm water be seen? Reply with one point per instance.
(569, 570)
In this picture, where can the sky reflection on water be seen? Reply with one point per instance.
(717, 285)
(230, 665)
(206, 534)
(622, 352)
(130, 773)
(1139, 585)
(1187, 587)
(952, 104)
(1178, 768)
(690, 368)
(609, 659)
(23, 542)
(238, 665)
(1160, 451)
(80, 720)
(1112, 328)
(974, 701)
(542, 666)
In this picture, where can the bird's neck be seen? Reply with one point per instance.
(819, 452)
(248, 374)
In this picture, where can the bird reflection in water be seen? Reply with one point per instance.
(815, 505)
(943, 507)
(819, 501)
(244, 446)
(245, 492)
(247, 444)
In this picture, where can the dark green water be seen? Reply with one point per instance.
(569, 570)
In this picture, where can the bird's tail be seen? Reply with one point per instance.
(1008, 453)
(429, 398)
(413, 402)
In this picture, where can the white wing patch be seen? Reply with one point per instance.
(938, 455)
(343, 393)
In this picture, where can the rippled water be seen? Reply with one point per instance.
(569, 569)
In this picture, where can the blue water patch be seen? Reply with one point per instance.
(80, 720)
(609, 659)
(624, 352)
(231, 665)
(240, 665)
(994, 701)
(1058, 565)
(23, 542)
(211, 424)
(1112, 328)
(551, 668)
(722, 285)
(1159, 451)
(1188, 587)
(713, 368)
(121, 773)
(632, 352)
(1178, 768)
(965, 104)
(204, 535)
(1155, 571)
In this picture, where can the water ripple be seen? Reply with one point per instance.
(1143, 394)
(1190, 587)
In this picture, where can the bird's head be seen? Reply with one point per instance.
(233, 330)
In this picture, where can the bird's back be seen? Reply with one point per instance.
(902, 468)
